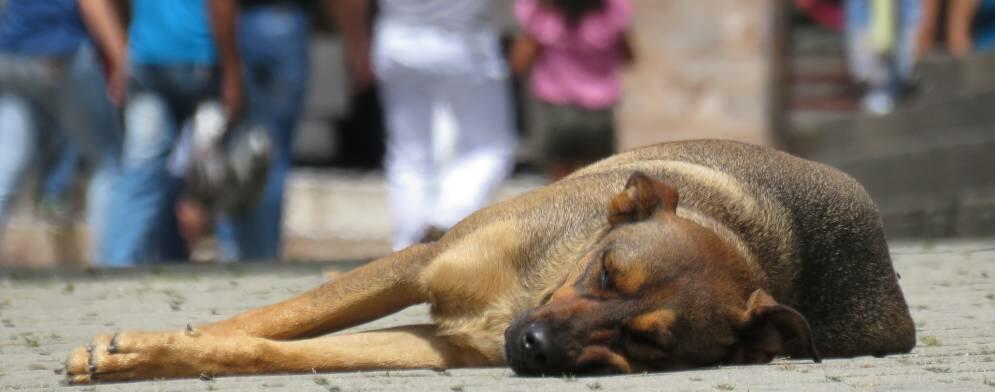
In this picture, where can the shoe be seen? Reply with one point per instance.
(878, 103)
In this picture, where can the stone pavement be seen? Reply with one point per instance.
(950, 287)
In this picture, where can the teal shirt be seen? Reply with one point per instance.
(171, 32)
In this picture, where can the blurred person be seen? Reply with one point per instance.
(929, 22)
(59, 177)
(273, 36)
(971, 26)
(881, 41)
(827, 13)
(427, 54)
(53, 104)
(574, 51)
(177, 54)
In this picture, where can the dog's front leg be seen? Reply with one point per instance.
(141, 355)
(374, 290)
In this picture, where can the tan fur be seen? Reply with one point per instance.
(741, 225)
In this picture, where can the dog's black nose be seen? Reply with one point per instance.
(536, 345)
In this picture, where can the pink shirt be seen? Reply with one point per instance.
(580, 65)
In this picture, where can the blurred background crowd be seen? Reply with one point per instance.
(171, 130)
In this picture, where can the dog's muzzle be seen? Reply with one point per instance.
(530, 351)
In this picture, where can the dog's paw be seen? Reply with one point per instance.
(81, 366)
(128, 356)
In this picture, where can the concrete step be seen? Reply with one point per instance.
(964, 119)
(943, 77)
(816, 41)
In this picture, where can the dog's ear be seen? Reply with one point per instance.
(768, 329)
(641, 198)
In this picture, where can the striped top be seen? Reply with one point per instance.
(447, 14)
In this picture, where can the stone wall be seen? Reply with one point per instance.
(702, 71)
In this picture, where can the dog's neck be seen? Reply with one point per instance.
(727, 235)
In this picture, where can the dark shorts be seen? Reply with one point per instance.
(571, 133)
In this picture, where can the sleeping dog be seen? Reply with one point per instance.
(671, 256)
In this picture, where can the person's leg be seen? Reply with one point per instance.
(483, 153)
(58, 178)
(93, 125)
(960, 23)
(275, 51)
(142, 195)
(866, 64)
(910, 15)
(860, 55)
(408, 165)
(929, 22)
(18, 131)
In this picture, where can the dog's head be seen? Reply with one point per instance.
(658, 292)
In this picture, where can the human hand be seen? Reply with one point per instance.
(360, 66)
(231, 90)
(117, 84)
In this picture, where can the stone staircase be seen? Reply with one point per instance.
(821, 89)
(929, 164)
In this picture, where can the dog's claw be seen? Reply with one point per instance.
(112, 347)
(189, 331)
(90, 366)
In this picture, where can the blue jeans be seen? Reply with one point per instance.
(142, 227)
(42, 109)
(882, 71)
(60, 174)
(274, 48)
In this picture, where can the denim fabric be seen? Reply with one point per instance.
(50, 28)
(60, 174)
(878, 69)
(274, 48)
(39, 105)
(18, 132)
(142, 227)
(984, 26)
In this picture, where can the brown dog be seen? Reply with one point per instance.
(667, 257)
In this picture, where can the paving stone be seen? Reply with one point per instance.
(950, 287)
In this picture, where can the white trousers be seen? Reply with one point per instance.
(422, 69)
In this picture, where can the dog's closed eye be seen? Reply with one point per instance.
(605, 279)
(645, 346)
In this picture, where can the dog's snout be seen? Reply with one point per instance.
(536, 344)
(532, 349)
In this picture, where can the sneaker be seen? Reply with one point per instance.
(878, 103)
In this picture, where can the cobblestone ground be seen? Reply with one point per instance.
(950, 287)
